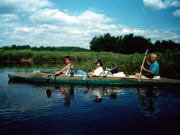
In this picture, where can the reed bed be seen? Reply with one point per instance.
(129, 63)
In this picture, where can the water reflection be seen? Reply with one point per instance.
(42, 108)
(66, 91)
(97, 92)
(49, 93)
(149, 100)
(101, 92)
(113, 92)
(109, 107)
(146, 96)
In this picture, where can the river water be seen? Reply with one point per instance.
(36, 109)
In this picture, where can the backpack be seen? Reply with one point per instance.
(112, 70)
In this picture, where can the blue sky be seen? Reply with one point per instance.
(75, 22)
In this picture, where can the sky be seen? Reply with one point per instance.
(76, 22)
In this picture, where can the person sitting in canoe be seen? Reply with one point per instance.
(99, 70)
(153, 67)
(66, 69)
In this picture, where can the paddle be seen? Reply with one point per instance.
(49, 75)
(140, 73)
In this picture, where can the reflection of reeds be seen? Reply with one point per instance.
(30, 60)
(129, 63)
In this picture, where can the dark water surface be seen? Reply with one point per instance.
(34, 109)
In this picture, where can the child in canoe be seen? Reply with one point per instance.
(66, 69)
(99, 70)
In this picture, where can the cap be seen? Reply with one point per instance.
(98, 61)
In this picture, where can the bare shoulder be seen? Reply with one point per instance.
(69, 64)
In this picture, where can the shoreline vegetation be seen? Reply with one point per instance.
(169, 61)
(125, 52)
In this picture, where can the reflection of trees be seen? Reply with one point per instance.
(146, 98)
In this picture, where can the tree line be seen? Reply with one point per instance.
(43, 48)
(130, 44)
(126, 44)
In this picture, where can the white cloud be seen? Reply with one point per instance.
(51, 16)
(55, 16)
(92, 18)
(175, 3)
(8, 21)
(53, 27)
(161, 4)
(77, 34)
(12, 6)
(152, 34)
(177, 13)
(161, 35)
(155, 4)
(4, 18)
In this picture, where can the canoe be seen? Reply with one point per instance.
(48, 78)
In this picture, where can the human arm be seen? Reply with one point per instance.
(147, 61)
(63, 70)
(96, 72)
(91, 74)
(147, 70)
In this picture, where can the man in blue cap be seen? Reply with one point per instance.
(99, 70)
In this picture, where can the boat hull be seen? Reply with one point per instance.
(47, 78)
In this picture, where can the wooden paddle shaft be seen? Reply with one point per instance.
(139, 79)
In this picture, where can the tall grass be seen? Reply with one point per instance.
(129, 63)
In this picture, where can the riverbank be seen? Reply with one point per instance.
(129, 63)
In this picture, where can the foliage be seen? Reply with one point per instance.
(42, 48)
(163, 46)
(129, 44)
(169, 61)
(125, 52)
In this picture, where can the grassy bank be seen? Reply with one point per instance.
(169, 61)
